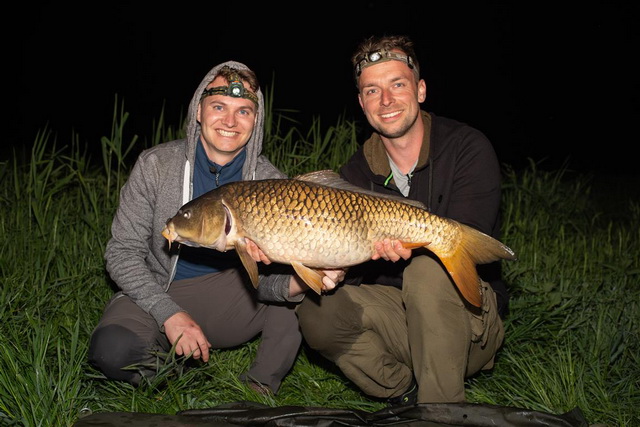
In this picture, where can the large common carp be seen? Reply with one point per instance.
(318, 221)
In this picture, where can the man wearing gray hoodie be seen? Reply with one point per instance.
(194, 299)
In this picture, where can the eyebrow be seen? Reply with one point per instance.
(393, 80)
(249, 105)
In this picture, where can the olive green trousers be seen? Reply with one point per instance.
(382, 336)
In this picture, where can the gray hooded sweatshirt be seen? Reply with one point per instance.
(137, 255)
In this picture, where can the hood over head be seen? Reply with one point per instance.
(253, 147)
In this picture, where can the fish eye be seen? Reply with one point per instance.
(186, 214)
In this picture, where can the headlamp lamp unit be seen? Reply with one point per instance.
(235, 89)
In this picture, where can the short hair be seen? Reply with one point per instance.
(235, 79)
(387, 43)
(246, 75)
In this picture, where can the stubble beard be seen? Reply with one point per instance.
(401, 131)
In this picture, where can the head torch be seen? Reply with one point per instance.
(235, 89)
(381, 55)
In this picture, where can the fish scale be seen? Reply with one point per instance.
(312, 240)
(321, 227)
(317, 221)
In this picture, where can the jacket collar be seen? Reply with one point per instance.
(376, 155)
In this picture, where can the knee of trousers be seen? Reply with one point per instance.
(326, 321)
(283, 319)
(426, 275)
(112, 348)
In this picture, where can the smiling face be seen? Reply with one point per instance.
(226, 123)
(390, 97)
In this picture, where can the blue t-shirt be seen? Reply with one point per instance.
(207, 176)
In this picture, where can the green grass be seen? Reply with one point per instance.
(571, 337)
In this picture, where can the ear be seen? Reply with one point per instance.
(198, 113)
(360, 101)
(422, 91)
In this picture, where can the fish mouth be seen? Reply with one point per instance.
(170, 234)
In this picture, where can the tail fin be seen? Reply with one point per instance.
(474, 248)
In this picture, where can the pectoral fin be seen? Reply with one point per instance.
(311, 276)
(249, 263)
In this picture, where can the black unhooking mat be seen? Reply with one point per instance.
(255, 414)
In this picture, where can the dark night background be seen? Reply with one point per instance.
(542, 81)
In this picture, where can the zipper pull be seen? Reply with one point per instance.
(216, 173)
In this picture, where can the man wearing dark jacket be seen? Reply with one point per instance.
(403, 332)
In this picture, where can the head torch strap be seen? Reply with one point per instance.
(235, 89)
(381, 55)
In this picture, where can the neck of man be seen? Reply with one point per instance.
(222, 157)
(405, 150)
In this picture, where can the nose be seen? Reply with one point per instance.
(386, 97)
(229, 119)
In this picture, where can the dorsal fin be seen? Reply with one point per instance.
(332, 179)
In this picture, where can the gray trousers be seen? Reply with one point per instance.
(381, 336)
(226, 309)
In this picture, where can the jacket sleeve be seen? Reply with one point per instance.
(128, 256)
(274, 286)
